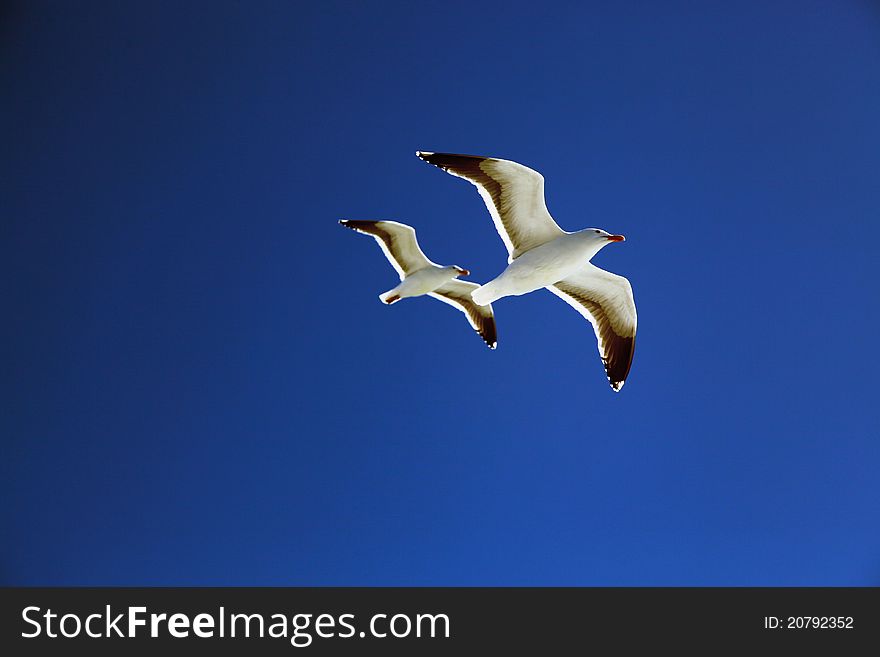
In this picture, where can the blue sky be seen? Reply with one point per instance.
(202, 388)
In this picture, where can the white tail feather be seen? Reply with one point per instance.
(484, 295)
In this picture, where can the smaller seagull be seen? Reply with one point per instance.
(420, 276)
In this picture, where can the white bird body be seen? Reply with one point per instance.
(421, 282)
(542, 266)
(541, 254)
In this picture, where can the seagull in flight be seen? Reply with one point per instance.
(542, 255)
(420, 276)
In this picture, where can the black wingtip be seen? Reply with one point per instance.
(489, 333)
(458, 162)
(357, 224)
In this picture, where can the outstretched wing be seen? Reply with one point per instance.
(514, 196)
(398, 242)
(458, 294)
(606, 301)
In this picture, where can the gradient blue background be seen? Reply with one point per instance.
(201, 387)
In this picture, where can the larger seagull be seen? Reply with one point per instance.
(544, 255)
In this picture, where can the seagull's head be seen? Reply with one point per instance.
(602, 237)
(459, 271)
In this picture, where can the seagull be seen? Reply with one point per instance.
(541, 254)
(420, 276)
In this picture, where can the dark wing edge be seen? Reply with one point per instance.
(513, 194)
(481, 318)
(616, 351)
(398, 242)
(468, 167)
